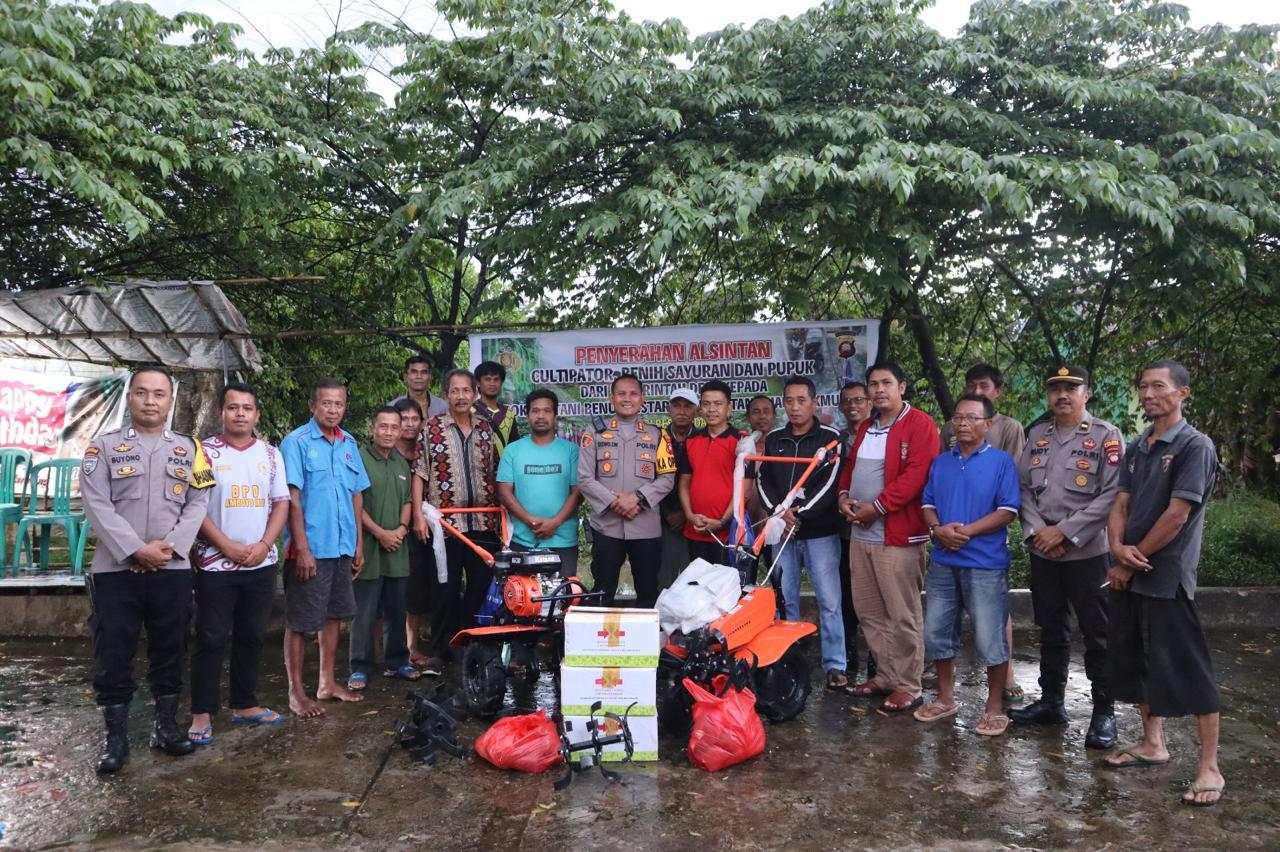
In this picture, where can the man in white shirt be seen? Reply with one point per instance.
(236, 558)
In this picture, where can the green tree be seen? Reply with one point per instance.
(119, 123)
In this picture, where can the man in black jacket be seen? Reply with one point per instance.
(813, 518)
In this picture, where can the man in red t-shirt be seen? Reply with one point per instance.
(704, 464)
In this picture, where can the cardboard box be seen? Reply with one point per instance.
(610, 636)
(644, 737)
(617, 688)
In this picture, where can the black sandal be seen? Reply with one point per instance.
(837, 680)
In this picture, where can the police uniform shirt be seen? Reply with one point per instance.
(134, 493)
(1069, 478)
(623, 456)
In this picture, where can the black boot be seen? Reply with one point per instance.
(1046, 711)
(1102, 728)
(165, 733)
(115, 749)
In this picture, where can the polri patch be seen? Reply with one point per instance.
(1089, 443)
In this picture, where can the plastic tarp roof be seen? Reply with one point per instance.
(181, 324)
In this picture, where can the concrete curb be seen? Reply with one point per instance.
(64, 613)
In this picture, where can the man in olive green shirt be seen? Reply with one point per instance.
(384, 579)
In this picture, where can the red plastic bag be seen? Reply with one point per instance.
(726, 727)
(527, 743)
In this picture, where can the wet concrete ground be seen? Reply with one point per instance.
(839, 777)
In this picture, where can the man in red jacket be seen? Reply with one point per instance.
(880, 495)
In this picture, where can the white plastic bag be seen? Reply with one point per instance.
(702, 593)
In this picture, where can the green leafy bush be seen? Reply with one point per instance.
(1241, 542)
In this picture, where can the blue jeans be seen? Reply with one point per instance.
(984, 594)
(821, 556)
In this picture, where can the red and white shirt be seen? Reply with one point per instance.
(249, 480)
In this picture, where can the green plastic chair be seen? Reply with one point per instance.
(58, 496)
(77, 559)
(12, 460)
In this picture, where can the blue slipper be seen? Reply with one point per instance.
(405, 672)
(266, 717)
(201, 736)
(357, 681)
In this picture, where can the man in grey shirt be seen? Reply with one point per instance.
(1157, 654)
(417, 385)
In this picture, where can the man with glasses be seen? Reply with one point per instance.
(971, 497)
(1006, 434)
(855, 405)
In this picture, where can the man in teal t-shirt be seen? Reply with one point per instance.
(538, 484)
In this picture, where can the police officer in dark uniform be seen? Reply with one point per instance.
(1070, 470)
(625, 467)
(145, 490)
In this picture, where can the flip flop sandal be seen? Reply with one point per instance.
(999, 720)
(1014, 695)
(922, 713)
(902, 708)
(267, 716)
(405, 672)
(1195, 791)
(1138, 760)
(867, 689)
(201, 736)
(357, 682)
(837, 681)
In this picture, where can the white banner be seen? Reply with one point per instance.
(754, 359)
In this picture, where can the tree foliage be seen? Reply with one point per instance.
(1064, 180)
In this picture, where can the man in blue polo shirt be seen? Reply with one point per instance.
(972, 495)
(326, 479)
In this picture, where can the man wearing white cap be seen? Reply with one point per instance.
(682, 408)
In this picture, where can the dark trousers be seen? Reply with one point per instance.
(454, 607)
(1055, 587)
(847, 613)
(645, 556)
(123, 604)
(235, 606)
(385, 595)
(712, 551)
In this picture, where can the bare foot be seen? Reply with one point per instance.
(303, 706)
(1206, 790)
(333, 692)
(1139, 754)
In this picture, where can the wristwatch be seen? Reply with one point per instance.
(644, 501)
